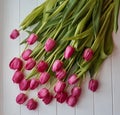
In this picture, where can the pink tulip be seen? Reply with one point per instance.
(61, 97)
(26, 54)
(24, 84)
(32, 39)
(57, 65)
(93, 85)
(44, 77)
(69, 52)
(30, 64)
(16, 64)
(72, 101)
(72, 79)
(49, 45)
(42, 66)
(32, 104)
(14, 34)
(61, 74)
(48, 99)
(21, 98)
(17, 77)
(76, 91)
(88, 54)
(59, 87)
(34, 83)
(43, 93)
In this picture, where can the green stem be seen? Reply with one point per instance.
(40, 28)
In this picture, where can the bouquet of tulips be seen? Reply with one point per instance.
(69, 39)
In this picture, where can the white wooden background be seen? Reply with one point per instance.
(106, 101)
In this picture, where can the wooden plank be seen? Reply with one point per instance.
(10, 15)
(85, 105)
(116, 73)
(64, 109)
(47, 109)
(103, 96)
(1, 58)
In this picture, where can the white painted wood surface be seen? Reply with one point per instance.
(106, 101)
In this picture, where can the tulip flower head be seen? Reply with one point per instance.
(17, 77)
(24, 84)
(57, 65)
(32, 39)
(49, 45)
(61, 97)
(30, 64)
(42, 66)
(76, 91)
(16, 64)
(43, 93)
(69, 52)
(34, 83)
(61, 74)
(21, 98)
(72, 79)
(93, 85)
(47, 99)
(71, 101)
(32, 104)
(14, 34)
(59, 87)
(26, 54)
(88, 54)
(44, 77)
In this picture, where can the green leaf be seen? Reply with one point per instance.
(101, 34)
(96, 16)
(82, 24)
(71, 4)
(48, 6)
(82, 12)
(59, 9)
(82, 35)
(32, 16)
(116, 12)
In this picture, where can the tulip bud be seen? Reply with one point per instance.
(69, 52)
(44, 77)
(32, 39)
(42, 66)
(49, 45)
(72, 79)
(32, 104)
(21, 98)
(34, 83)
(26, 54)
(14, 34)
(61, 97)
(30, 64)
(76, 91)
(57, 65)
(71, 101)
(24, 84)
(61, 74)
(43, 93)
(93, 85)
(16, 64)
(59, 87)
(47, 99)
(88, 54)
(17, 77)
